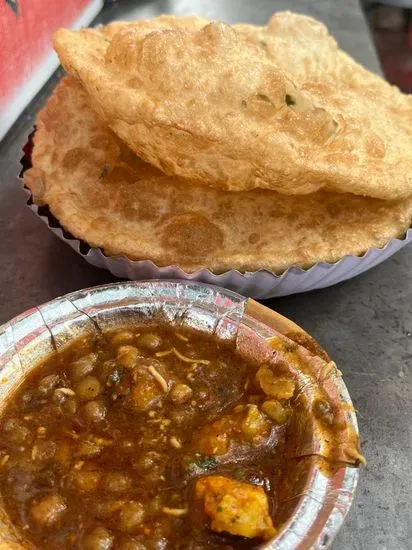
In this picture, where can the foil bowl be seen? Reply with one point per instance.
(319, 500)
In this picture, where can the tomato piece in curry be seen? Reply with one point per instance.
(146, 437)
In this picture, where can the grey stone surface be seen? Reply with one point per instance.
(365, 323)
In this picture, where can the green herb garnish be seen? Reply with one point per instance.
(104, 171)
(206, 463)
(239, 474)
(290, 100)
(115, 377)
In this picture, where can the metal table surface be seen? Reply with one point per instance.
(364, 323)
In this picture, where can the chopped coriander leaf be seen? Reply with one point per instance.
(104, 171)
(290, 100)
(239, 474)
(206, 463)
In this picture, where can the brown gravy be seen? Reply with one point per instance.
(146, 437)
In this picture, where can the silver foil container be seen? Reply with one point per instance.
(261, 284)
(319, 501)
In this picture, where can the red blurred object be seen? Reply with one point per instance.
(392, 31)
(409, 39)
(395, 53)
(26, 55)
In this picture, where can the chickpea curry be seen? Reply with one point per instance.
(146, 437)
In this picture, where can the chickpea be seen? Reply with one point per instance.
(131, 516)
(98, 539)
(48, 511)
(202, 393)
(123, 337)
(48, 383)
(43, 450)
(107, 368)
(63, 454)
(10, 425)
(49, 412)
(148, 460)
(88, 449)
(94, 411)
(27, 398)
(84, 345)
(162, 529)
(84, 366)
(180, 393)
(59, 396)
(103, 509)
(155, 506)
(183, 417)
(192, 545)
(86, 480)
(16, 432)
(127, 356)
(154, 479)
(150, 341)
(69, 407)
(131, 544)
(116, 482)
(152, 466)
(88, 388)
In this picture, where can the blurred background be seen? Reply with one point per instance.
(391, 26)
(27, 59)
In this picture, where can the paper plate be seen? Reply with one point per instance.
(259, 284)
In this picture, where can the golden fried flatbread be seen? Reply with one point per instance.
(187, 23)
(102, 193)
(243, 107)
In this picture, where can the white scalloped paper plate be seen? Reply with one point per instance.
(260, 284)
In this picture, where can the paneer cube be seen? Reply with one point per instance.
(235, 507)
